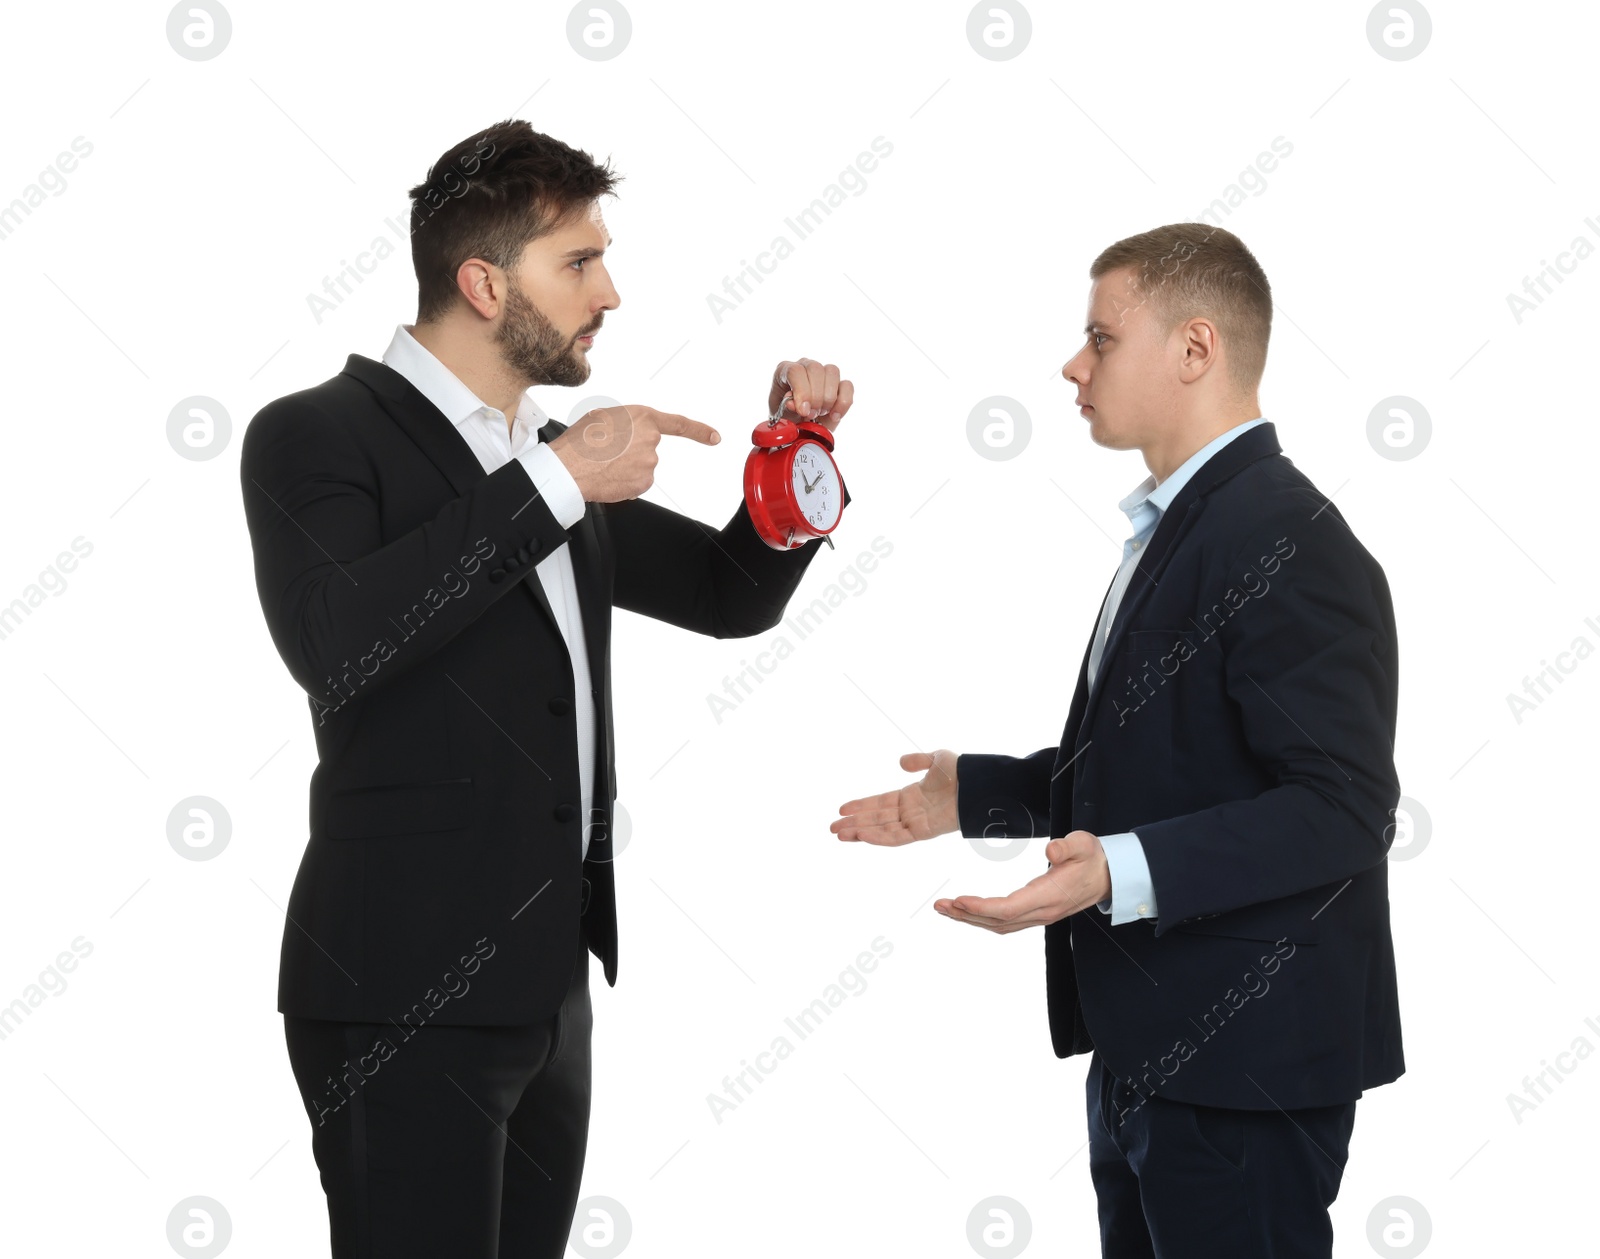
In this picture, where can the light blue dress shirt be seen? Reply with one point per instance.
(1132, 895)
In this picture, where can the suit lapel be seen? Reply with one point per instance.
(1175, 524)
(447, 449)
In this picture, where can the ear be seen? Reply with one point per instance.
(473, 278)
(1202, 348)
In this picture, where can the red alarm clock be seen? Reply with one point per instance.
(791, 483)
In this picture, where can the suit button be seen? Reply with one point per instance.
(523, 555)
(512, 561)
(565, 812)
(497, 574)
(560, 707)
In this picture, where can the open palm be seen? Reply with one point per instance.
(919, 811)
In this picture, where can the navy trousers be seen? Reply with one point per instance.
(1180, 1181)
(465, 1142)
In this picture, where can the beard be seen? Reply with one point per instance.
(535, 348)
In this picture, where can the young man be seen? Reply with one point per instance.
(1216, 911)
(437, 561)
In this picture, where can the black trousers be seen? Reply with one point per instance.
(465, 1142)
(1179, 1181)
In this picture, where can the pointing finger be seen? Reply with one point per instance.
(683, 426)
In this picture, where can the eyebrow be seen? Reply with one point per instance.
(1093, 324)
(588, 251)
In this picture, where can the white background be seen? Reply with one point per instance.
(177, 261)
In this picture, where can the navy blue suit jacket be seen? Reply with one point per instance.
(1242, 724)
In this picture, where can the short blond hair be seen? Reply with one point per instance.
(1191, 269)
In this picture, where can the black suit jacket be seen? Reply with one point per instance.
(1242, 723)
(444, 875)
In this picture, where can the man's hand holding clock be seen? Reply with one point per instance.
(1077, 879)
(815, 392)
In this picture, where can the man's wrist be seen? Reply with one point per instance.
(574, 466)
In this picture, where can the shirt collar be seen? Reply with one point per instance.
(442, 387)
(1147, 494)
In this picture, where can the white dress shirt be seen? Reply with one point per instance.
(1132, 893)
(496, 444)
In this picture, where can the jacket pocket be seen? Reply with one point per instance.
(1267, 923)
(1159, 653)
(399, 809)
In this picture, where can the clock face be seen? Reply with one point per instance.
(816, 486)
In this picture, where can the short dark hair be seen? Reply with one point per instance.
(1190, 269)
(487, 197)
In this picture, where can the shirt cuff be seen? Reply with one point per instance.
(557, 486)
(1132, 895)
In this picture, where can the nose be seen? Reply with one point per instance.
(1073, 370)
